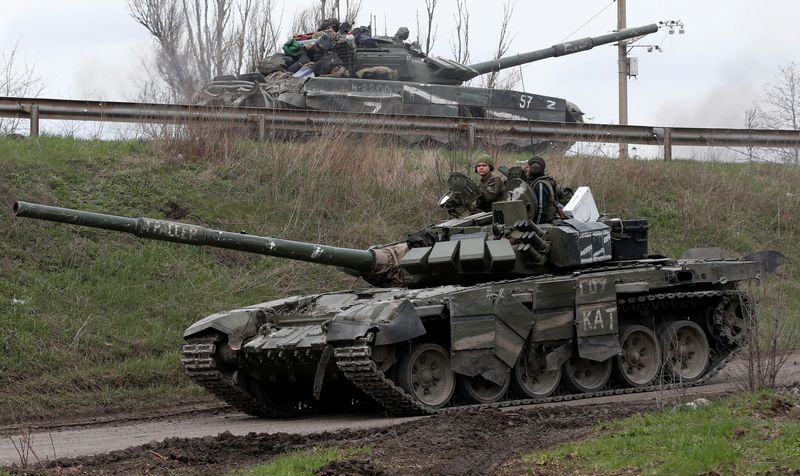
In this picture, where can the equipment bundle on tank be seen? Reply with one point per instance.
(476, 310)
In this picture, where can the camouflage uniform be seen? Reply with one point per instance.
(492, 185)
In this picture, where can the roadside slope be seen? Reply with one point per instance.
(93, 320)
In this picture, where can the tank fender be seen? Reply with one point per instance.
(487, 332)
(596, 318)
(392, 322)
(769, 260)
(238, 325)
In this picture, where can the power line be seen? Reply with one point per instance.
(588, 21)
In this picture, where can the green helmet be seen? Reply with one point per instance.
(483, 158)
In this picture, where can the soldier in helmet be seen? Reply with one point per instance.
(330, 25)
(544, 188)
(492, 184)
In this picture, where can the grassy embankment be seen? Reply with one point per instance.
(94, 319)
(756, 433)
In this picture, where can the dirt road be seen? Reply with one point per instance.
(190, 443)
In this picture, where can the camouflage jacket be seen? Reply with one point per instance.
(493, 187)
(544, 189)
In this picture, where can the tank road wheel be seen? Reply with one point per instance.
(640, 360)
(685, 349)
(479, 390)
(425, 374)
(584, 375)
(529, 377)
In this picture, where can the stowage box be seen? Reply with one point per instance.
(628, 238)
(574, 243)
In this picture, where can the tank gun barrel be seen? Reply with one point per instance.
(358, 260)
(561, 49)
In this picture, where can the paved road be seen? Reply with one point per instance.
(104, 438)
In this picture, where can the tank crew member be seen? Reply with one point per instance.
(544, 189)
(492, 184)
(401, 36)
(330, 25)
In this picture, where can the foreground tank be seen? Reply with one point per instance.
(488, 309)
(422, 85)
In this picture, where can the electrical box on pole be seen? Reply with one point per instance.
(633, 66)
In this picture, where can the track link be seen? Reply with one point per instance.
(357, 365)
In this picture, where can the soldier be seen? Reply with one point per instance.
(492, 184)
(544, 189)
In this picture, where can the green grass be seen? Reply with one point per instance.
(304, 462)
(104, 313)
(737, 436)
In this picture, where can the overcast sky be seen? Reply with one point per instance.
(708, 77)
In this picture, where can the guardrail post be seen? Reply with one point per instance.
(667, 143)
(471, 135)
(262, 127)
(34, 120)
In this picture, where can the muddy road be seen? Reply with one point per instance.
(216, 439)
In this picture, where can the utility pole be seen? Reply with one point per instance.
(622, 60)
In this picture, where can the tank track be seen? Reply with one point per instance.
(201, 366)
(357, 365)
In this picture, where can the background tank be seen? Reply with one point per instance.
(421, 85)
(485, 309)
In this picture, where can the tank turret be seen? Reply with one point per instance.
(501, 244)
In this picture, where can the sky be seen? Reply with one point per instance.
(707, 77)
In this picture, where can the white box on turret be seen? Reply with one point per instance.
(581, 206)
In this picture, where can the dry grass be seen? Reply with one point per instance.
(341, 189)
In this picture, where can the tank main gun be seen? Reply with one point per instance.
(362, 261)
(488, 246)
(450, 70)
(562, 49)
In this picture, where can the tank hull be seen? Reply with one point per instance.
(609, 329)
(399, 97)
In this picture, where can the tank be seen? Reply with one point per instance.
(490, 309)
(421, 85)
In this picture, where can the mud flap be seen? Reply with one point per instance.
(596, 318)
(392, 322)
(487, 333)
(321, 366)
(557, 357)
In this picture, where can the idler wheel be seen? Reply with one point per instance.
(640, 360)
(425, 373)
(480, 390)
(529, 377)
(685, 349)
(584, 375)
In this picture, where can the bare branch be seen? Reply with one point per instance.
(18, 78)
(492, 80)
(199, 39)
(782, 107)
(459, 44)
(430, 36)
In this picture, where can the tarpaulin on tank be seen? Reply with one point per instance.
(392, 321)
(487, 332)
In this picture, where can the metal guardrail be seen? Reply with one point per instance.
(471, 129)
